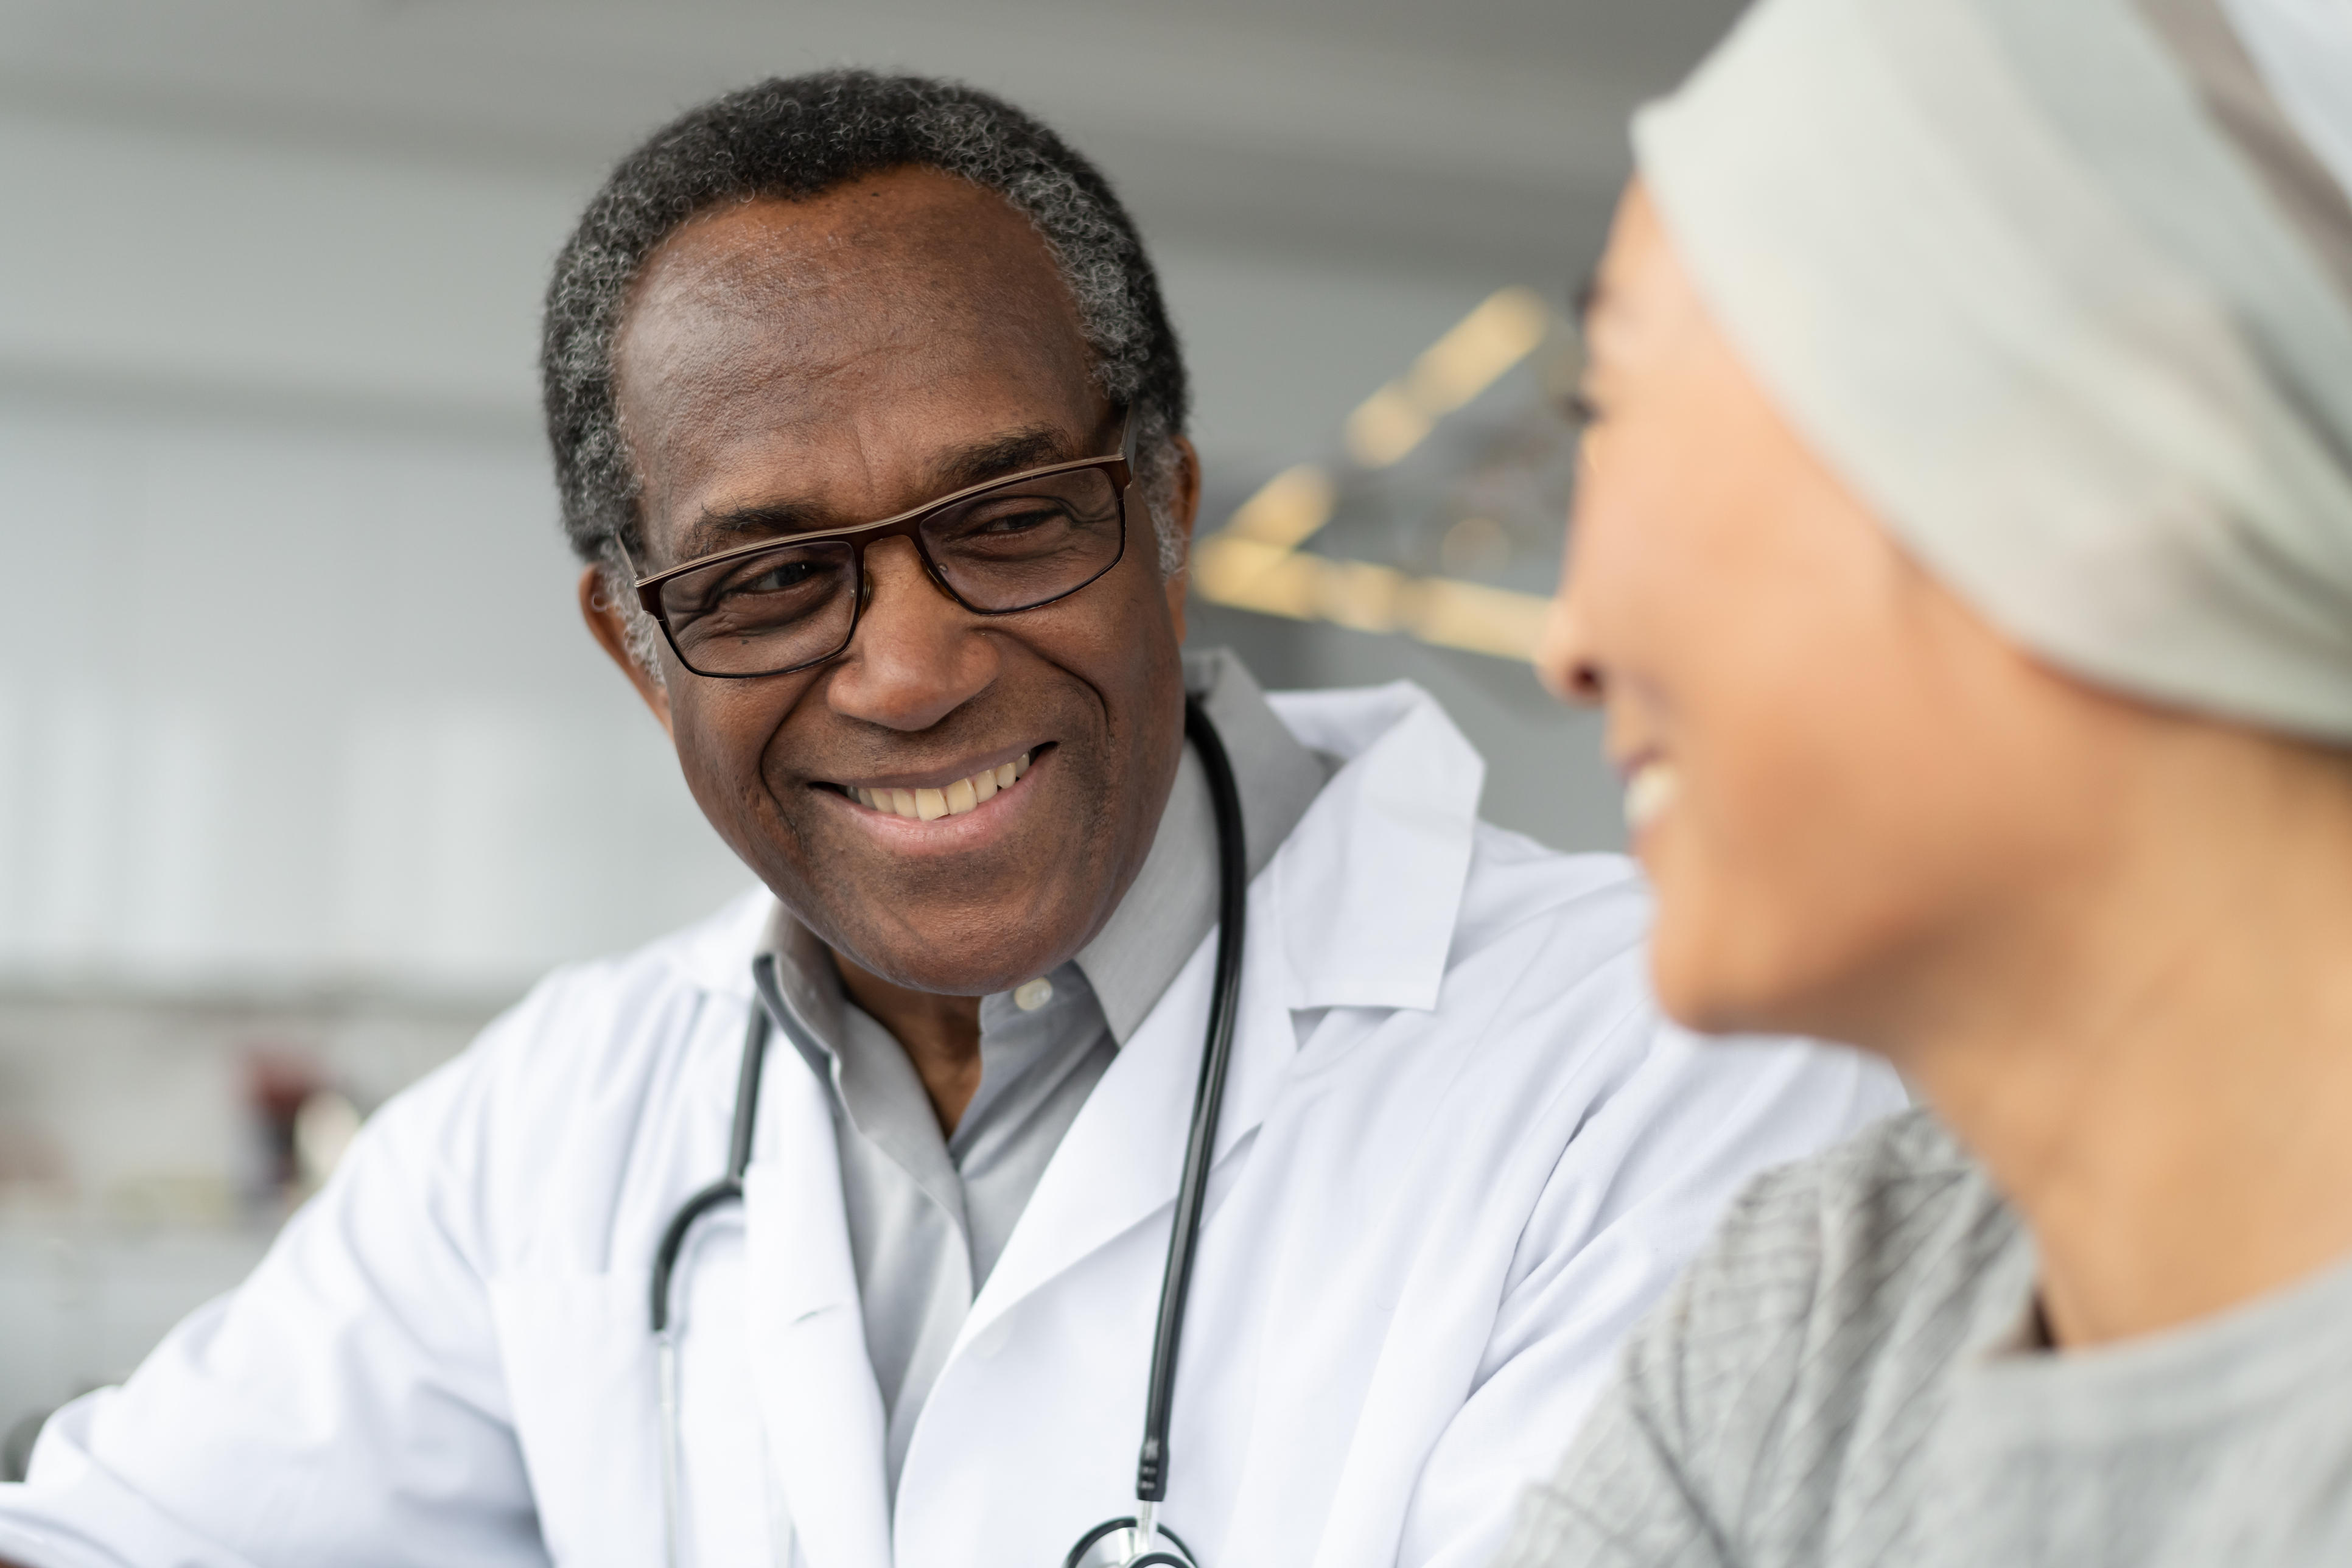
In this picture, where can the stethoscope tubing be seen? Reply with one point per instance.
(1208, 1100)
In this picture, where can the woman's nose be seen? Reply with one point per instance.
(1563, 662)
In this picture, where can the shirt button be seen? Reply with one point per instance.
(1032, 995)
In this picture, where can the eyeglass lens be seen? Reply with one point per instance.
(1033, 539)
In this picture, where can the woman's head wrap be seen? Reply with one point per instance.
(2063, 290)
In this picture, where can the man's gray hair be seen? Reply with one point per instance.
(798, 137)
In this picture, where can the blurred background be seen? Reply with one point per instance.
(305, 765)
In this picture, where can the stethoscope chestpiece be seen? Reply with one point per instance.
(1117, 1543)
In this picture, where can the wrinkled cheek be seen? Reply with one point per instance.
(728, 800)
(771, 820)
(726, 777)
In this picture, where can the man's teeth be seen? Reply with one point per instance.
(1649, 792)
(930, 805)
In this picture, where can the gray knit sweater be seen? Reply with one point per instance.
(1846, 1379)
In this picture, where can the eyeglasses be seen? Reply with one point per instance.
(995, 549)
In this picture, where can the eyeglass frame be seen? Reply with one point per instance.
(906, 525)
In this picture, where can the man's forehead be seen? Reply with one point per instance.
(901, 276)
(914, 232)
(764, 326)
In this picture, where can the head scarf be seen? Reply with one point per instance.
(2062, 288)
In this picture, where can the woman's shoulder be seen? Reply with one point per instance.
(1820, 1261)
(1804, 1355)
(1898, 1203)
(1767, 1412)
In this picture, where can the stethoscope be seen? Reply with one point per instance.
(1130, 1541)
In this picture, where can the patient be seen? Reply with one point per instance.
(1964, 556)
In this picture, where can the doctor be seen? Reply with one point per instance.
(1457, 1153)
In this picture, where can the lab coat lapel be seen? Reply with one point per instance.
(1120, 1161)
(819, 1404)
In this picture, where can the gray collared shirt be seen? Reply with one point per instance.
(928, 1216)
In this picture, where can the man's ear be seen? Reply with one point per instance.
(1188, 512)
(609, 625)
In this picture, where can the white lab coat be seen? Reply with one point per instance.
(1459, 1154)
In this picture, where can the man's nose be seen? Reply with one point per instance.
(915, 659)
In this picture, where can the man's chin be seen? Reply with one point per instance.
(993, 974)
(966, 924)
(961, 948)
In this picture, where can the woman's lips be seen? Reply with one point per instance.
(1650, 789)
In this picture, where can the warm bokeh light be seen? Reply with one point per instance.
(1253, 562)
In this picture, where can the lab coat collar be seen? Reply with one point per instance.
(1371, 883)
(715, 956)
(1172, 902)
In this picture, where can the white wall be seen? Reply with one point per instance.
(293, 705)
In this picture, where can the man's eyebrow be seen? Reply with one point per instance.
(1000, 456)
(996, 457)
(722, 528)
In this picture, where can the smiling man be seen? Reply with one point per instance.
(869, 429)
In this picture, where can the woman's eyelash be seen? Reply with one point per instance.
(1578, 409)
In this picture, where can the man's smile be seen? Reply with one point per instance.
(897, 804)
